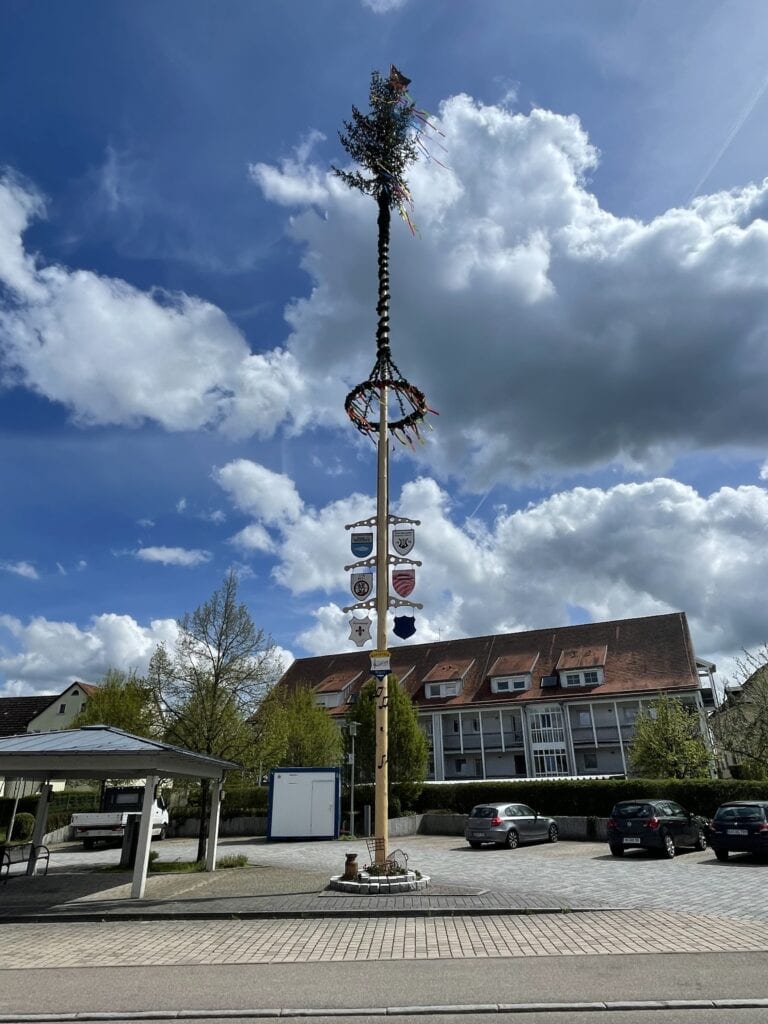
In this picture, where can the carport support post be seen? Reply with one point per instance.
(213, 826)
(145, 836)
(41, 820)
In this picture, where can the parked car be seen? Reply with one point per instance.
(740, 826)
(661, 825)
(508, 825)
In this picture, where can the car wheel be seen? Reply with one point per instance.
(553, 835)
(474, 844)
(88, 844)
(513, 840)
(617, 851)
(701, 840)
(668, 849)
(722, 854)
(163, 833)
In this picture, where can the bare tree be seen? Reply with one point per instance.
(208, 688)
(740, 724)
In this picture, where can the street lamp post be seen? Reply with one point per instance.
(352, 727)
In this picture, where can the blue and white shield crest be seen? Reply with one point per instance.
(362, 544)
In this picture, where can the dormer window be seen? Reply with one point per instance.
(585, 677)
(448, 689)
(510, 684)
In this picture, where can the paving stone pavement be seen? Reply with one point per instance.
(178, 943)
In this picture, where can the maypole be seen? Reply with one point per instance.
(384, 142)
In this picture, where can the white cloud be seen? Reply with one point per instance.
(186, 557)
(113, 354)
(589, 339)
(384, 6)
(44, 656)
(25, 569)
(631, 550)
(181, 505)
(267, 496)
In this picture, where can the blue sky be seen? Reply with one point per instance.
(186, 295)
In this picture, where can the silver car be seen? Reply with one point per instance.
(508, 825)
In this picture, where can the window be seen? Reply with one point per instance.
(585, 719)
(629, 714)
(590, 678)
(551, 761)
(461, 763)
(82, 706)
(442, 689)
(62, 708)
(475, 725)
(590, 761)
(587, 677)
(573, 679)
(509, 684)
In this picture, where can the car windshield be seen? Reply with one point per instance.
(483, 811)
(751, 813)
(632, 811)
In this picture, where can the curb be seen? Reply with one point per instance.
(389, 1011)
(77, 917)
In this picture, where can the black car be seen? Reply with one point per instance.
(659, 825)
(740, 826)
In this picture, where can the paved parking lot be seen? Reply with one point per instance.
(693, 882)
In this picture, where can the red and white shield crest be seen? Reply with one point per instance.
(403, 580)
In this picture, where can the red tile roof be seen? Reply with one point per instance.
(643, 655)
(448, 670)
(582, 657)
(514, 665)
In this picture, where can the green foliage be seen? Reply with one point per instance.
(124, 701)
(740, 726)
(408, 747)
(667, 742)
(588, 796)
(381, 141)
(23, 827)
(293, 731)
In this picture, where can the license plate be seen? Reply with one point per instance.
(476, 835)
(632, 840)
(737, 832)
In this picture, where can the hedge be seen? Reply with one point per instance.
(60, 810)
(591, 797)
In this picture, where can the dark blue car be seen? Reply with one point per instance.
(651, 824)
(740, 826)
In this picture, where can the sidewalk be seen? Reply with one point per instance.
(251, 892)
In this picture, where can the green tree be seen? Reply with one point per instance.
(408, 747)
(123, 700)
(209, 686)
(667, 742)
(290, 729)
(740, 725)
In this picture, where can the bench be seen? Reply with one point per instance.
(22, 853)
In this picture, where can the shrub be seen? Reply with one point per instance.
(591, 797)
(23, 827)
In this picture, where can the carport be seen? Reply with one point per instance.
(102, 752)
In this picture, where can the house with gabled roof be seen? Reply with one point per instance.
(534, 704)
(48, 713)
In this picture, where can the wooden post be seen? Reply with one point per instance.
(381, 814)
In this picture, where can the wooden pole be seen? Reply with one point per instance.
(381, 822)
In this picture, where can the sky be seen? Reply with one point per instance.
(187, 294)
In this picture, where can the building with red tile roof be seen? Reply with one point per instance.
(540, 703)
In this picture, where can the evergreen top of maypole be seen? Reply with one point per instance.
(384, 143)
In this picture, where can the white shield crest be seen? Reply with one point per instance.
(361, 584)
(403, 541)
(360, 630)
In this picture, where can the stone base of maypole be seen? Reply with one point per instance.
(365, 884)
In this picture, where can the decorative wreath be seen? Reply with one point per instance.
(362, 403)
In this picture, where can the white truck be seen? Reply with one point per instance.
(118, 804)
